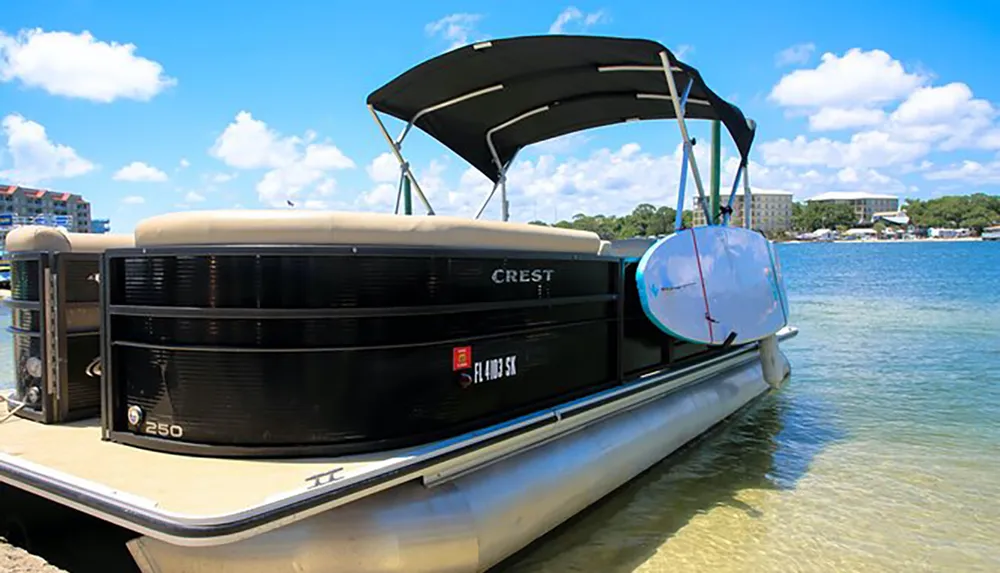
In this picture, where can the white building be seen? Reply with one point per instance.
(865, 205)
(769, 210)
(27, 205)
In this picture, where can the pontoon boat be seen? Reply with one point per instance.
(322, 391)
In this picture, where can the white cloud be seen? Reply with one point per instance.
(856, 91)
(612, 181)
(808, 181)
(137, 171)
(326, 187)
(947, 113)
(287, 182)
(865, 149)
(940, 117)
(193, 197)
(248, 143)
(581, 21)
(295, 163)
(134, 200)
(607, 181)
(457, 29)
(990, 139)
(221, 178)
(835, 118)
(78, 65)
(184, 164)
(915, 167)
(382, 195)
(563, 144)
(384, 168)
(797, 54)
(972, 172)
(856, 79)
(36, 158)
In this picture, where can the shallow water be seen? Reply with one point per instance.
(881, 453)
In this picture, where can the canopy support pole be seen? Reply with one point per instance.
(502, 183)
(501, 168)
(747, 198)
(716, 175)
(679, 112)
(442, 105)
(407, 173)
(407, 197)
(732, 195)
(679, 216)
(504, 204)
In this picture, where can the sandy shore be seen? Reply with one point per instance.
(15, 560)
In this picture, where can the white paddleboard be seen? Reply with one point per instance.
(708, 283)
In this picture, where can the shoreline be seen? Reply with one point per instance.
(880, 241)
(13, 559)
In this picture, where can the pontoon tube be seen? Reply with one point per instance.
(476, 520)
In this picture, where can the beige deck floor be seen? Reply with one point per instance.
(193, 487)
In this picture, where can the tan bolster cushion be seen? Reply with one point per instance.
(52, 239)
(290, 227)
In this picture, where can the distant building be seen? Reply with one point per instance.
(892, 217)
(769, 210)
(942, 233)
(100, 226)
(29, 206)
(865, 205)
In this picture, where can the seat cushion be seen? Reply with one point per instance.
(291, 227)
(54, 239)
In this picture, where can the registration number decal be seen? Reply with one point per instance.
(494, 369)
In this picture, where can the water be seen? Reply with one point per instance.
(882, 453)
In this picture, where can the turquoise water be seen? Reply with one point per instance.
(881, 453)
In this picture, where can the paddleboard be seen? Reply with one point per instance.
(712, 283)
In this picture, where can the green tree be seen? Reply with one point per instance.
(879, 228)
(970, 211)
(812, 216)
(974, 211)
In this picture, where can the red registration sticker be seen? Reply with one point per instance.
(461, 357)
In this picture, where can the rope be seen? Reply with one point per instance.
(94, 368)
(17, 409)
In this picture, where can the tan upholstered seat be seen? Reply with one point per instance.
(287, 227)
(51, 239)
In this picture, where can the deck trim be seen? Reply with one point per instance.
(434, 463)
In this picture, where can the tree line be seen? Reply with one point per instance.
(645, 220)
(957, 211)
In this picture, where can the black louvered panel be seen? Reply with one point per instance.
(25, 282)
(354, 398)
(340, 281)
(270, 353)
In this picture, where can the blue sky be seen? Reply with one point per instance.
(200, 105)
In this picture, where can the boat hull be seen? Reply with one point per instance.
(477, 519)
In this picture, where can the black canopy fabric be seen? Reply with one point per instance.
(536, 71)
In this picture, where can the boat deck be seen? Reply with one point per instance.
(219, 486)
(191, 500)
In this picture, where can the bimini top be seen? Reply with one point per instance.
(513, 92)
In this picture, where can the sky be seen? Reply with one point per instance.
(151, 107)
